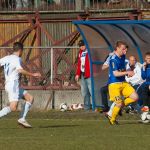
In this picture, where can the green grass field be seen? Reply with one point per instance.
(55, 130)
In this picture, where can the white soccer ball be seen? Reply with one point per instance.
(145, 117)
(63, 107)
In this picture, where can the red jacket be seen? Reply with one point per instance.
(87, 65)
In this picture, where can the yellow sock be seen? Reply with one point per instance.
(128, 101)
(115, 112)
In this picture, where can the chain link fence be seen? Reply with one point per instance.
(56, 64)
(57, 84)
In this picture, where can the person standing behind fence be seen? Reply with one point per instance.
(12, 69)
(83, 72)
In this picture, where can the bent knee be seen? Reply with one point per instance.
(120, 104)
(134, 96)
(13, 108)
(29, 98)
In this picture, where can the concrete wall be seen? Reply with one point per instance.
(42, 97)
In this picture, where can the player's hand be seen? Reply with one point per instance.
(130, 73)
(77, 78)
(37, 75)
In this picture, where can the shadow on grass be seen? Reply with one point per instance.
(59, 126)
(133, 122)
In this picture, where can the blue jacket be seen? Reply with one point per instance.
(146, 74)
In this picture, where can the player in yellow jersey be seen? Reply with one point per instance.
(118, 87)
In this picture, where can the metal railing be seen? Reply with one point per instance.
(72, 5)
(57, 64)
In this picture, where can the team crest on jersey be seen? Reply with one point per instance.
(113, 65)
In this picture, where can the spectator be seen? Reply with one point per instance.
(23, 3)
(136, 80)
(146, 85)
(83, 72)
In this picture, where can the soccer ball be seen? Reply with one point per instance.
(63, 107)
(145, 117)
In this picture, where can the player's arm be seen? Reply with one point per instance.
(121, 73)
(143, 71)
(106, 62)
(20, 70)
(117, 72)
(24, 72)
(105, 66)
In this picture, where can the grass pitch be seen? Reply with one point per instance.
(55, 130)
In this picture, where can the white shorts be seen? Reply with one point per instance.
(14, 92)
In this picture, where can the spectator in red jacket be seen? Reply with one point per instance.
(83, 72)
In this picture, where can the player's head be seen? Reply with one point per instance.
(81, 44)
(18, 47)
(132, 60)
(147, 57)
(121, 47)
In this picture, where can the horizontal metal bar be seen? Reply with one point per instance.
(70, 11)
(58, 47)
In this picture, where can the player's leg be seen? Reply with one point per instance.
(116, 97)
(28, 102)
(6, 110)
(129, 93)
(27, 105)
(12, 91)
(111, 108)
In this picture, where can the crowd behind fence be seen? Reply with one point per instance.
(74, 5)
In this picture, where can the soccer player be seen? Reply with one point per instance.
(12, 69)
(118, 87)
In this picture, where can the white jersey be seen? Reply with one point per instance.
(83, 55)
(11, 64)
(136, 79)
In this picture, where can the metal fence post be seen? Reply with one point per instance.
(37, 3)
(52, 65)
(78, 5)
(87, 3)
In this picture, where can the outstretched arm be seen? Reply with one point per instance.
(24, 72)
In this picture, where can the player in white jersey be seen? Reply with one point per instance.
(12, 69)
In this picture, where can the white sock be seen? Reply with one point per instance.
(111, 108)
(5, 111)
(25, 110)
